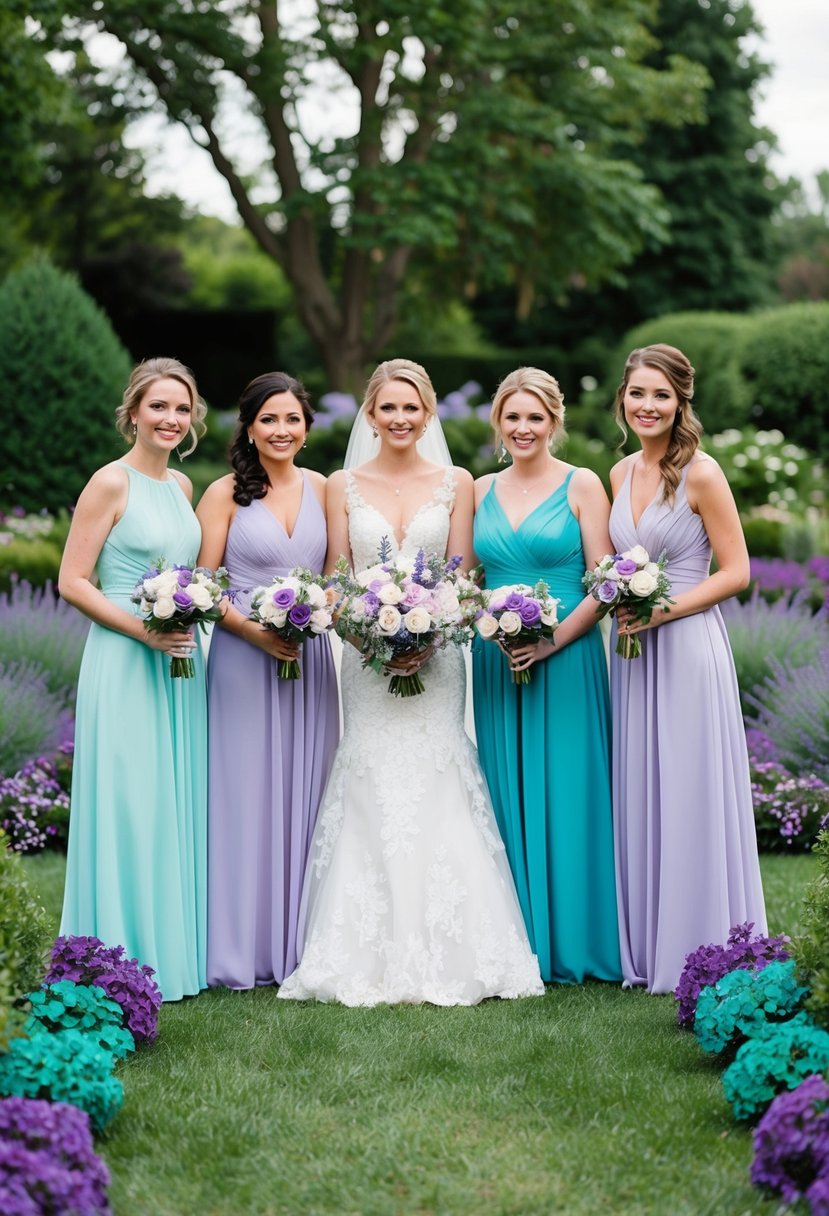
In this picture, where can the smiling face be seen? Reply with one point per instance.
(279, 428)
(398, 415)
(163, 414)
(650, 403)
(526, 427)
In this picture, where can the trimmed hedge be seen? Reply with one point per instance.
(785, 363)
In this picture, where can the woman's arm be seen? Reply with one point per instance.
(337, 519)
(99, 508)
(460, 526)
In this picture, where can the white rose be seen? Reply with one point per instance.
(639, 555)
(163, 608)
(320, 620)
(652, 569)
(549, 618)
(417, 619)
(146, 607)
(372, 574)
(316, 596)
(288, 580)
(404, 563)
(510, 623)
(390, 594)
(610, 575)
(388, 619)
(201, 597)
(642, 583)
(356, 610)
(448, 601)
(487, 625)
(267, 611)
(280, 616)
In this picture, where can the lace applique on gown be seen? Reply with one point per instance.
(408, 895)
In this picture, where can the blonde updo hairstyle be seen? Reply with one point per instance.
(543, 386)
(407, 371)
(686, 431)
(143, 376)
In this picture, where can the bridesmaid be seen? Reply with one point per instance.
(272, 740)
(545, 746)
(136, 870)
(686, 853)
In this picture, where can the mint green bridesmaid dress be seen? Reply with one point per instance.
(136, 869)
(545, 751)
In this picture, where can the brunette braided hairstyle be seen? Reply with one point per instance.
(686, 431)
(250, 478)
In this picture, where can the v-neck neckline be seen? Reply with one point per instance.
(516, 528)
(264, 505)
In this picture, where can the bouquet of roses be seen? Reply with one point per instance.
(517, 614)
(295, 606)
(178, 597)
(399, 607)
(632, 579)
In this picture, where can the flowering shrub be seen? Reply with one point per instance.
(791, 707)
(812, 946)
(775, 579)
(761, 632)
(86, 960)
(762, 467)
(65, 1005)
(64, 1067)
(47, 1163)
(742, 1002)
(788, 811)
(34, 804)
(33, 720)
(39, 627)
(708, 964)
(777, 1057)
(791, 1143)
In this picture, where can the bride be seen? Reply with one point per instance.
(408, 895)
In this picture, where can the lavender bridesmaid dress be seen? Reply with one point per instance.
(271, 745)
(686, 850)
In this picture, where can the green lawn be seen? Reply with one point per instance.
(588, 1100)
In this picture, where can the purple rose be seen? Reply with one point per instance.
(530, 612)
(371, 603)
(300, 615)
(626, 567)
(182, 600)
(284, 597)
(514, 602)
(415, 594)
(185, 576)
(607, 591)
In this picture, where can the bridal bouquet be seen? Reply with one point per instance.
(517, 614)
(631, 579)
(399, 607)
(178, 597)
(295, 606)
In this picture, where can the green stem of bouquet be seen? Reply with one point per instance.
(182, 669)
(628, 646)
(406, 686)
(289, 669)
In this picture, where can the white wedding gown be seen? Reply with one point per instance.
(408, 895)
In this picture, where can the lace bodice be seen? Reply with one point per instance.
(428, 529)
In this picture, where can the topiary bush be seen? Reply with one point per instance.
(62, 371)
(785, 363)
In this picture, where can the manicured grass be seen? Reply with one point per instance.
(587, 1100)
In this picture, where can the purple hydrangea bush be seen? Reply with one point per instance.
(86, 960)
(791, 1144)
(708, 964)
(47, 1162)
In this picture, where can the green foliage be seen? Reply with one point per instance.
(228, 270)
(785, 362)
(802, 239)
(62, 372)
(763, 467)
(764, 537)
(24, 937)
(31, 561)
(534, 119)
(811, 947)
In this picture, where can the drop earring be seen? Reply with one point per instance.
(134, 430)
(501, 453)
(250, 440)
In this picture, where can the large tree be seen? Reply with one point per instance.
(483, 137)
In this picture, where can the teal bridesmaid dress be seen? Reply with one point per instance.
(545, 751)
(136, 869)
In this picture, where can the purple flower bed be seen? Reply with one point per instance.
(789, 811)
(791, 708)
(776, 578)
(47, 1162)
(708, 964)
(86, 960)
(791, 1143)
(34, 804)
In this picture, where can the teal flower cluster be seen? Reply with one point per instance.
(64, 1067)
(744, 1002)
(68, 1006)
(777, 1057)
